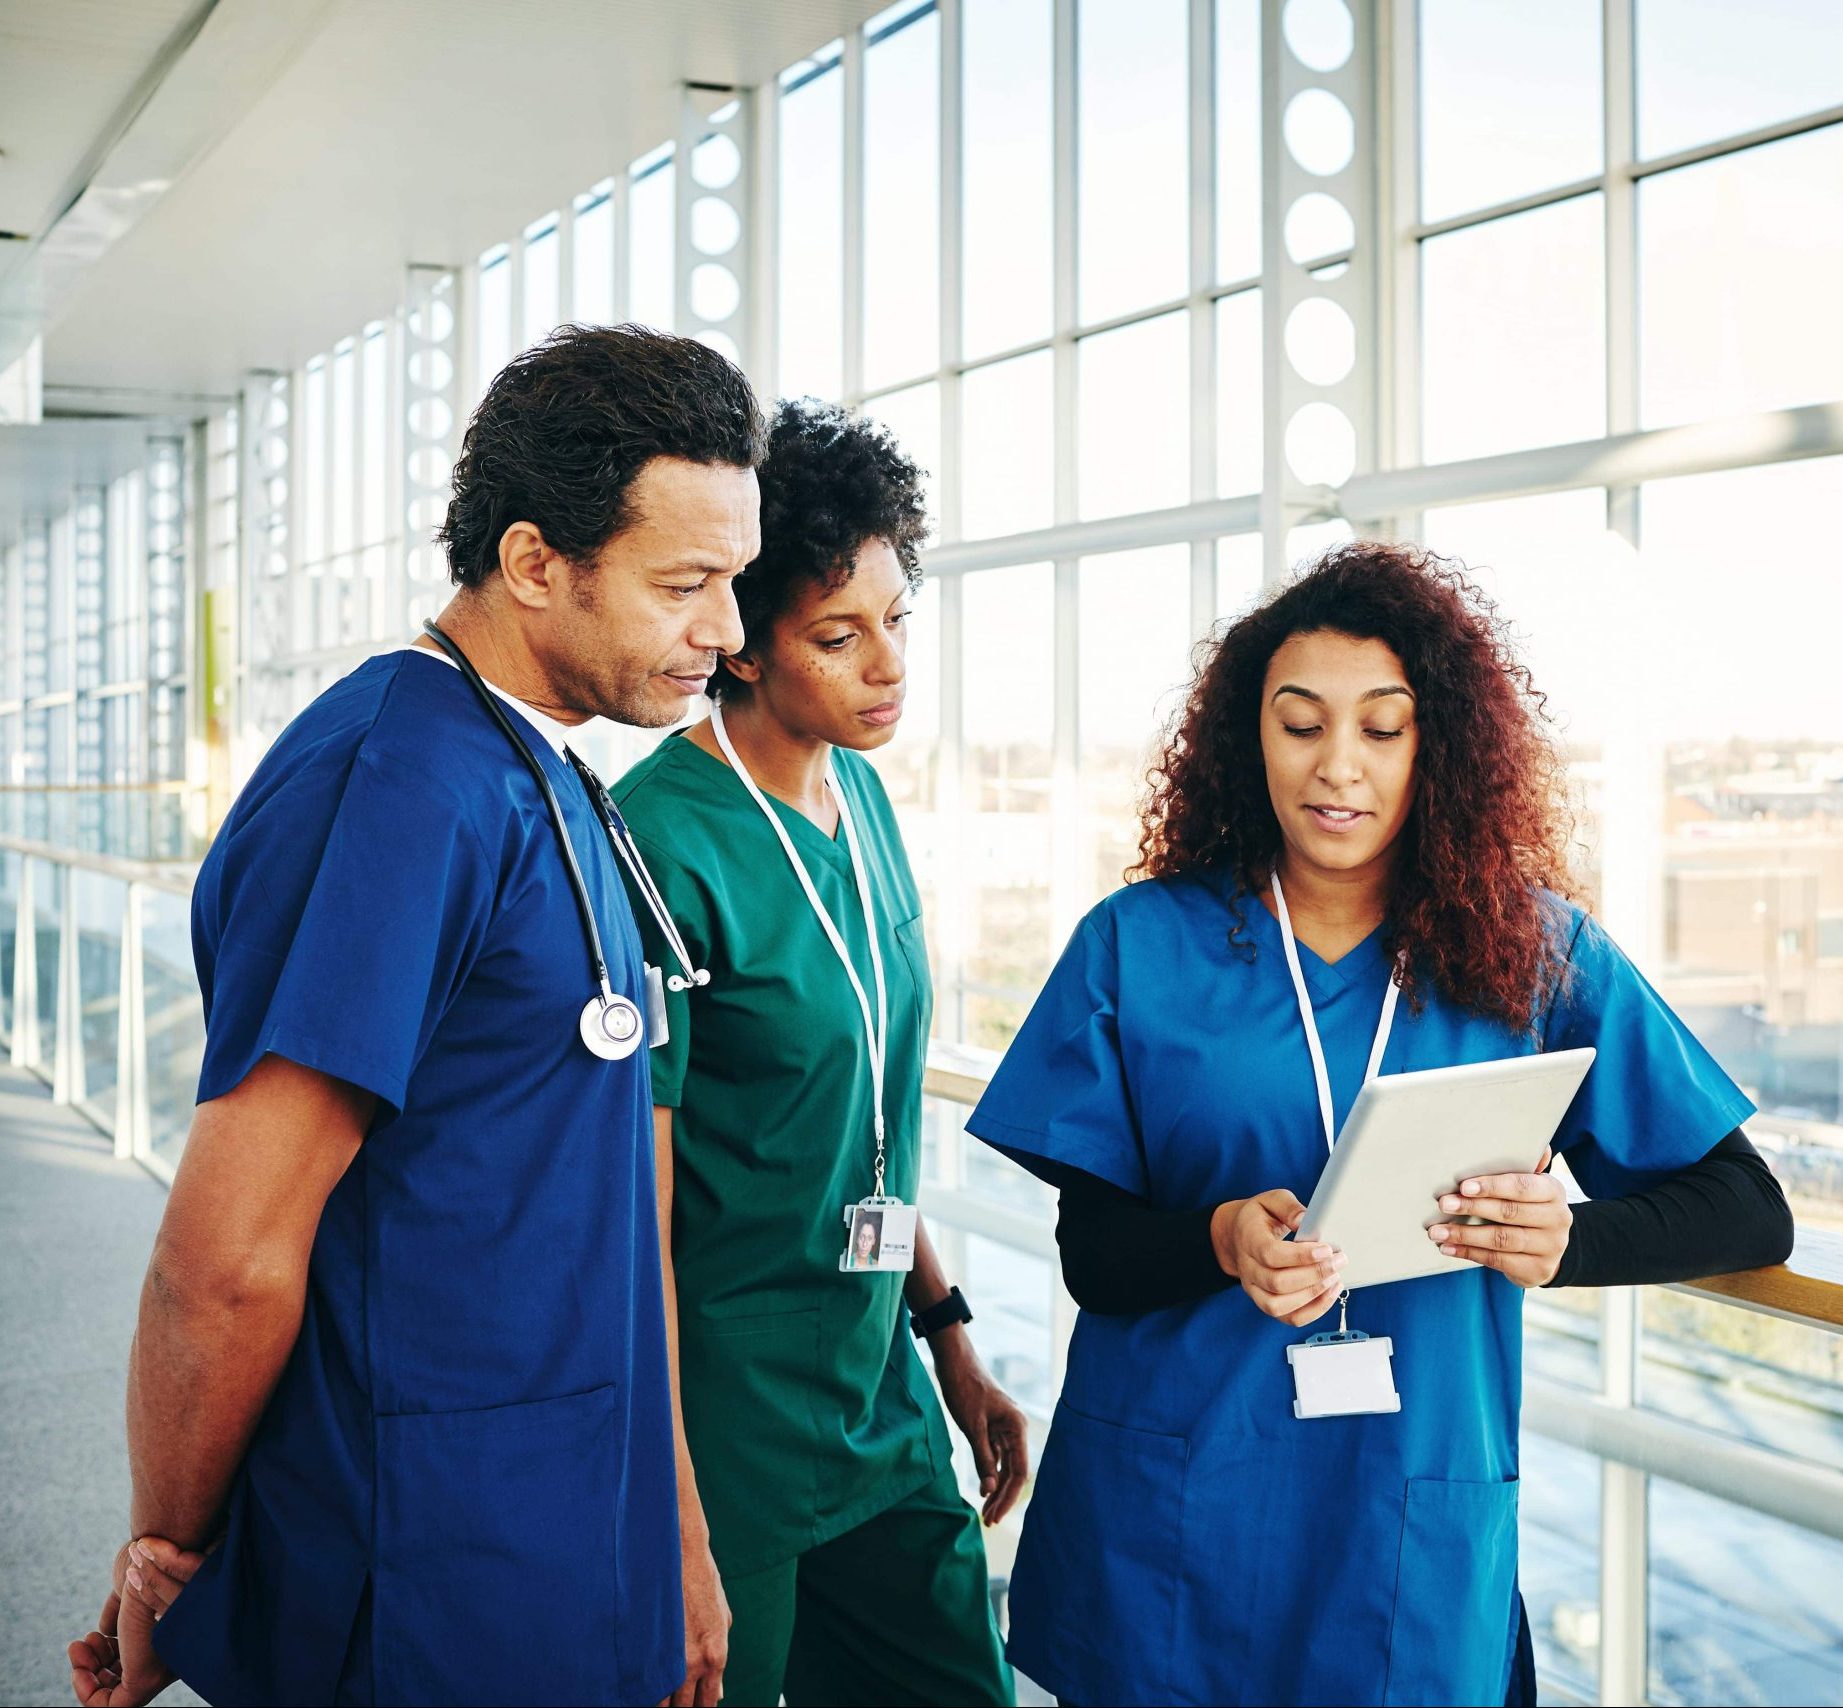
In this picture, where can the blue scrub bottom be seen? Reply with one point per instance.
(1522, 1692)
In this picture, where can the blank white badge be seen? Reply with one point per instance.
(880, 1236)
(1340, 1378)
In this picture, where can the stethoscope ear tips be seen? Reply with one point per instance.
(701, 976)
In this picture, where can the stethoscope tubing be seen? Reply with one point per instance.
(598, 961)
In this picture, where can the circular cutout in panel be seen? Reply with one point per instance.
(715, 294)
(715, 162)
(1321, 341)
(1319, 33)
(431, 368)
(1320, 133)
(430, 417)
(429, 467)
(432, 321)
(723, 344)
(1321, 445)
(427, 564)
(275, 490)
(715, 226)
(426, 512)
(1318, 225)
(275, 410)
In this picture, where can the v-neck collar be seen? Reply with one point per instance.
(1362, 962)
(800, 827)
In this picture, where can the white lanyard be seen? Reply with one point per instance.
(1311, 1025)
(877, 1032)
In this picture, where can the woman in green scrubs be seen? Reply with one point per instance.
(814, 1467)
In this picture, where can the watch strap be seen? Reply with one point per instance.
(950, 1310)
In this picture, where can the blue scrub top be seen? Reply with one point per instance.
(1189, 1540)
(463, 1487)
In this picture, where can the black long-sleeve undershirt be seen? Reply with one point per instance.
(1121, 1256)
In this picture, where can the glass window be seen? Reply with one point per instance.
(1748, 321)
(1709, 69)
(914, 416)
(902, 200)
(1742, 1607)
(1740, 657)
(1558, 1564)
(345, 445)
(1238, 575)
(592, 262)
(542, 281)
(1134, 155)
(313, 463)
(376, 454)
(652, 243)
(1238, 139)
(1006, 195)
(1238, 394)
(812, 228)
(1133, 674)
(1007, 648)
(1513, 332)
(1134, 430)
(1510, 100)
(494, 331)
(1008, 447)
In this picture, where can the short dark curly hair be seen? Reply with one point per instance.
(831, 482)
(565, 427)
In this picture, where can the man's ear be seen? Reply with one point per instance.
(527, 565)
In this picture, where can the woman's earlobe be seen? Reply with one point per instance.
(742, 667)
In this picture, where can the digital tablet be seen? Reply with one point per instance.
(1410, 1137)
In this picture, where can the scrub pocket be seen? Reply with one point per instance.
(1455, 1625)
(748, 1385)
(496, 1574)
(1094, 1592)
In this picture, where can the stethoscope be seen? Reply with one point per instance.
(610, 1024)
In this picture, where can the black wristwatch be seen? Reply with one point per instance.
(952, 1309)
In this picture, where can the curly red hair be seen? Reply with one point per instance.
(1467, 913)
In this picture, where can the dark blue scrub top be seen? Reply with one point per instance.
(1188, 1539)
(474, 1427)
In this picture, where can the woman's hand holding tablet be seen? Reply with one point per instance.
(1523, 1227)
(1293, 1282)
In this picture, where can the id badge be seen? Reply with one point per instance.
(657, 1031)
(881, 1236)
(1343, 1375)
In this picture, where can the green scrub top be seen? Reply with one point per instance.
(806, 1406)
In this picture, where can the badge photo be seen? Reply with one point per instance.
(881, 1236)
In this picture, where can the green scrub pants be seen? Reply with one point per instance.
(896, 1611)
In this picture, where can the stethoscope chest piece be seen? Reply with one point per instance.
(611, 1027)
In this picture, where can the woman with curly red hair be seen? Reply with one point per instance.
(1361, 802)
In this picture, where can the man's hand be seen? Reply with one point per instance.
(1291, 1282)
(987, 1416)
(115, 1665)
(1525, 1229)
(707, 1628)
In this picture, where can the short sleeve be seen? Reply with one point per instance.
(344, 933)
(1655, 1101)
(1060, 1095)
(689, 908)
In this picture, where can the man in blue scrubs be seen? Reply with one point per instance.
(400, 1363)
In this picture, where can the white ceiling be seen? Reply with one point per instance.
(403, 130)
(66, 69)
